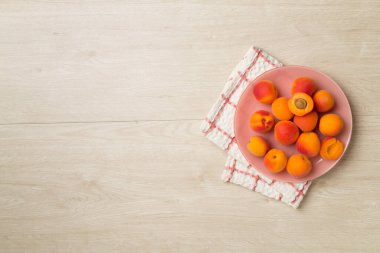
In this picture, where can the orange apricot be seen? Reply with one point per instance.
(258, 146)
(286, 132)
(303, 84)
(265, 91)
(308, 144)
(300, 104)
(298, 166)
(331, 148)
(308, 122)
(330, 124)
(281, 110)
(275, 160)
(323, 101)
(262, 121)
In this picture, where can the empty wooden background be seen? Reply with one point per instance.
(100, 107)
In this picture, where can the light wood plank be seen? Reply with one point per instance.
(64, 61)
(135, 174)
(155, 186)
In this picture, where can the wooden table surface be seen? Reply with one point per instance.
(100, 109)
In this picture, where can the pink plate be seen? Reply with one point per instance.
(283, 78)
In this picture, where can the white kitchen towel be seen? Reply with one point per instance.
(218, 127)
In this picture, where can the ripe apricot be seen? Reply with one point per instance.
(275, 160)
(286, 132)
(308, 122)
(323, 101)
(262, 121)
(298, 166)
(308, 144)
(258, 146)
(303, 84)
(300, 104)
(331, 148)
(281, 110)
(265, 91)
(330, 124)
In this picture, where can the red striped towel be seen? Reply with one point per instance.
(218, 128)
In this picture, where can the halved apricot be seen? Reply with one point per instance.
(300, 104)
(331, 148)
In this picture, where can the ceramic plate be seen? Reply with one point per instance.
(283, 78)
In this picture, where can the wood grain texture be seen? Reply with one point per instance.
(100, 107)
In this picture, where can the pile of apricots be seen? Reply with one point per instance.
(298, 118)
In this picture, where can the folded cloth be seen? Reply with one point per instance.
(218, 127)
